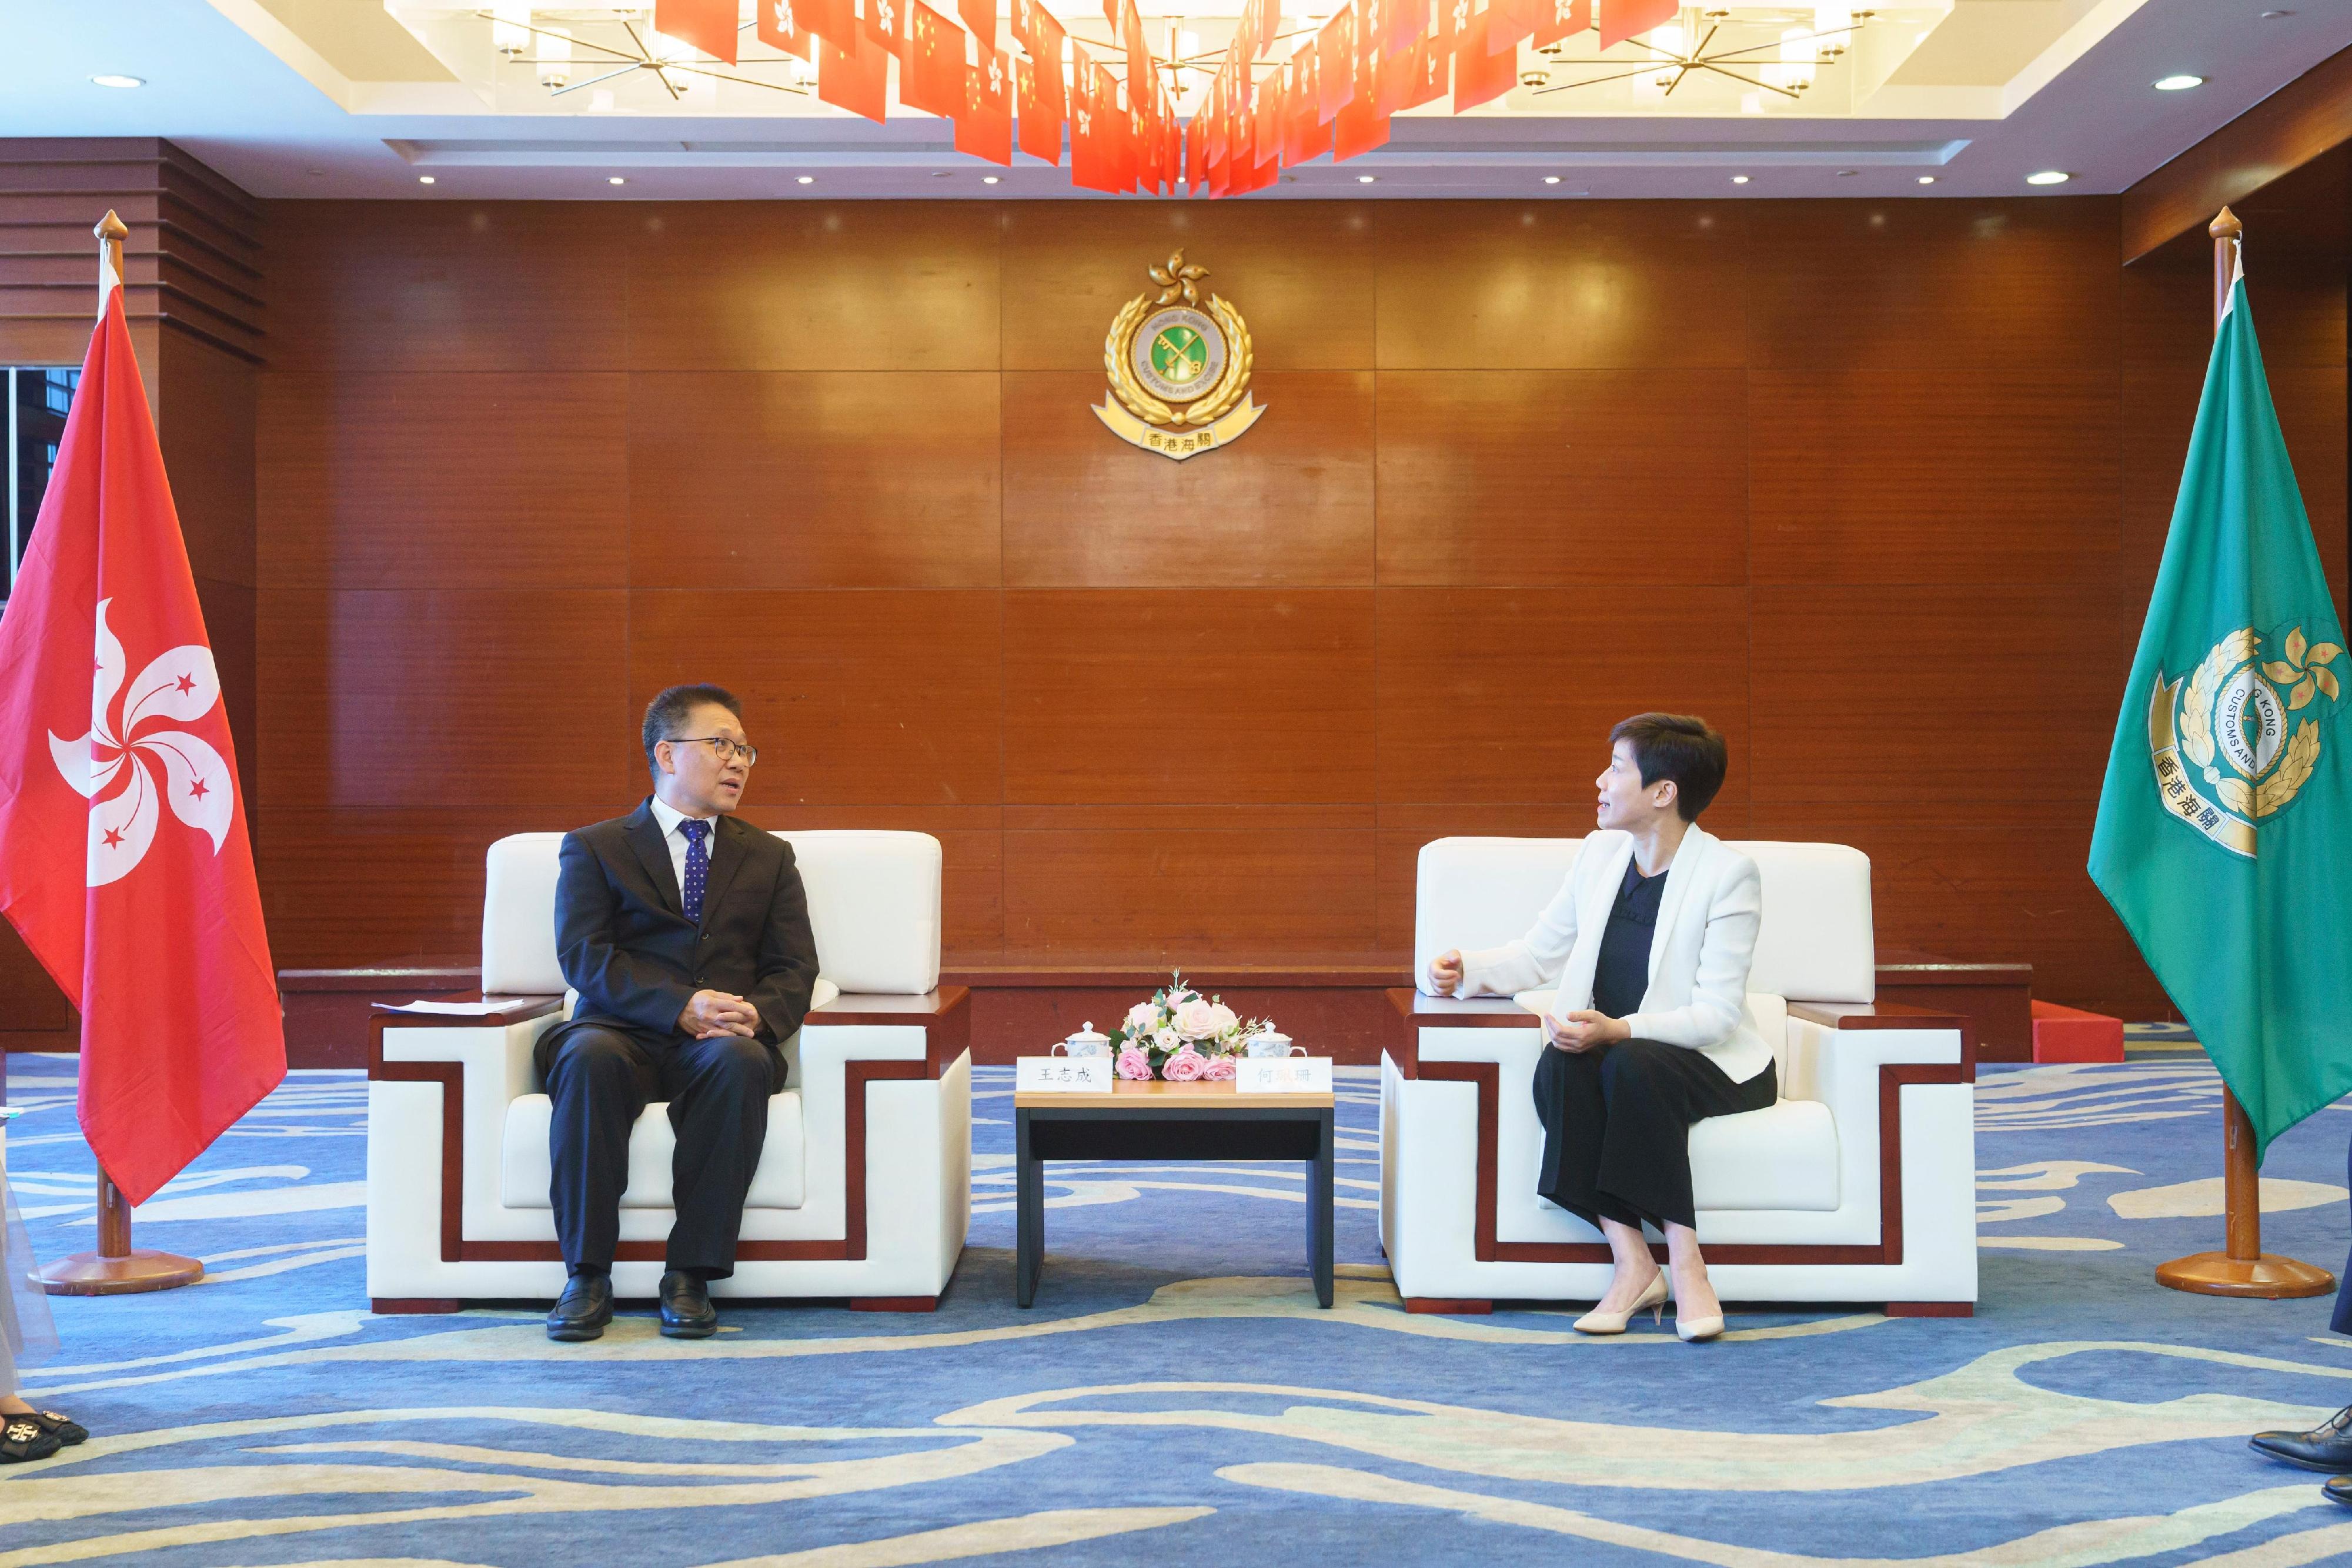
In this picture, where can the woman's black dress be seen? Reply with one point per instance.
(1617, 1119)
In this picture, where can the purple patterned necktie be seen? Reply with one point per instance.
(698, 864)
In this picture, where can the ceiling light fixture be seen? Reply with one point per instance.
(615, 180)
(988, 179)
(425, 179)
(118, 81)
(2049, 177)
(808, 179)
(1786, 65)
(1927, 179)
(1363, 179)
(1739, 179)
(2178, 83)
(1551, 179)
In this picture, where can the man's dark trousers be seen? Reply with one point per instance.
(601, 1081)
(637, 958)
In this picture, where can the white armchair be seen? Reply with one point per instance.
(864, 1187)
(1858, 1186)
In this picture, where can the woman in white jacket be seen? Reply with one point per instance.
(1649, 941)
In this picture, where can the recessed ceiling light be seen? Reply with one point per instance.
(808, 179)
(2049, 177)
(2178, 83)
(425, 179)
(1848, 173)
(988, 179)
(107, 81)
(615, 180)
(1739, 179)
(1927, 179)
(1551, 179)
(1363, 179)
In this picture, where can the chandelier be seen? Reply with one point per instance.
(1784, 64)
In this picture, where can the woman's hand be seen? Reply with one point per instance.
(1445, 971)
(1583, 1030)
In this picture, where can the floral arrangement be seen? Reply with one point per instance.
(1180, 1036)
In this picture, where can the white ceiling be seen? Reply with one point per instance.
(324, 97)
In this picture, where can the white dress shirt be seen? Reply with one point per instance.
(670, 817)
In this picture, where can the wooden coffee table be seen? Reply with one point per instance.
(1159, 1121)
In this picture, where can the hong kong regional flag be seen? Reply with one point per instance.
(123, 857)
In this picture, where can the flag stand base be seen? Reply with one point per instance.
(2245, 1270)
(114, 1270)
(91, 1274)
(2268, 1276)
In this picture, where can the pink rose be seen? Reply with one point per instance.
(1143, 1019)
(1196, 1020)
(1218, 1070)
(1133, 1063)
(1184, 1066)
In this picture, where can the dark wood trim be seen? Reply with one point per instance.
(1931, 1309)
(945, 1015)
(388, 1306)
(1487, 1248)
(1447, 1305)
(2300, 121)
(894, 1304)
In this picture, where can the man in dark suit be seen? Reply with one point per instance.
(685, 933)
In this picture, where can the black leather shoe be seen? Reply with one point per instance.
(583, 1309)
(686, 1311)
(2327, 1447)
(2338, 1489)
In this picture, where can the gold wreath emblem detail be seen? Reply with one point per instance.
(2303, 673)
(1204, 410)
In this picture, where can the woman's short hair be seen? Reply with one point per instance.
(1678, 746)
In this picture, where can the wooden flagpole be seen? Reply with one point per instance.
(115, 1269)
(2241, 1267)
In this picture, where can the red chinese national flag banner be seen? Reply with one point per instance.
(979, 18)
(707, 24)
(1041, 127)
(1621, 19)
(124, 860)
(933, 80)
(1407, 20)
(834, 20)
(855, 77)
(1335, 64)
(1510, 21)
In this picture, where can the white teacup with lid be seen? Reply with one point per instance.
(1086, 1042)
(1272, 1042)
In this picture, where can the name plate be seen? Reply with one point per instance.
(1061, 1075)
(1282, 1075)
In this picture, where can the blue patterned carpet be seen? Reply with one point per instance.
(1176, 1396)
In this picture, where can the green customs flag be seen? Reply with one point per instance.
(2224, 837)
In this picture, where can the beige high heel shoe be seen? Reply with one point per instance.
(1652, 1296)
(1690, 1330)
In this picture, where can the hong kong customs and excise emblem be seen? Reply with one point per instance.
(2232, 742)
(1178, 369)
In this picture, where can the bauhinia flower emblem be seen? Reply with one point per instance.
(130, 758)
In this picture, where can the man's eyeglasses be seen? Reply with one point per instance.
(728, 749)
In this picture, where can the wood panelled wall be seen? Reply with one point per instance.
(193, 296)
(1878, 488)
